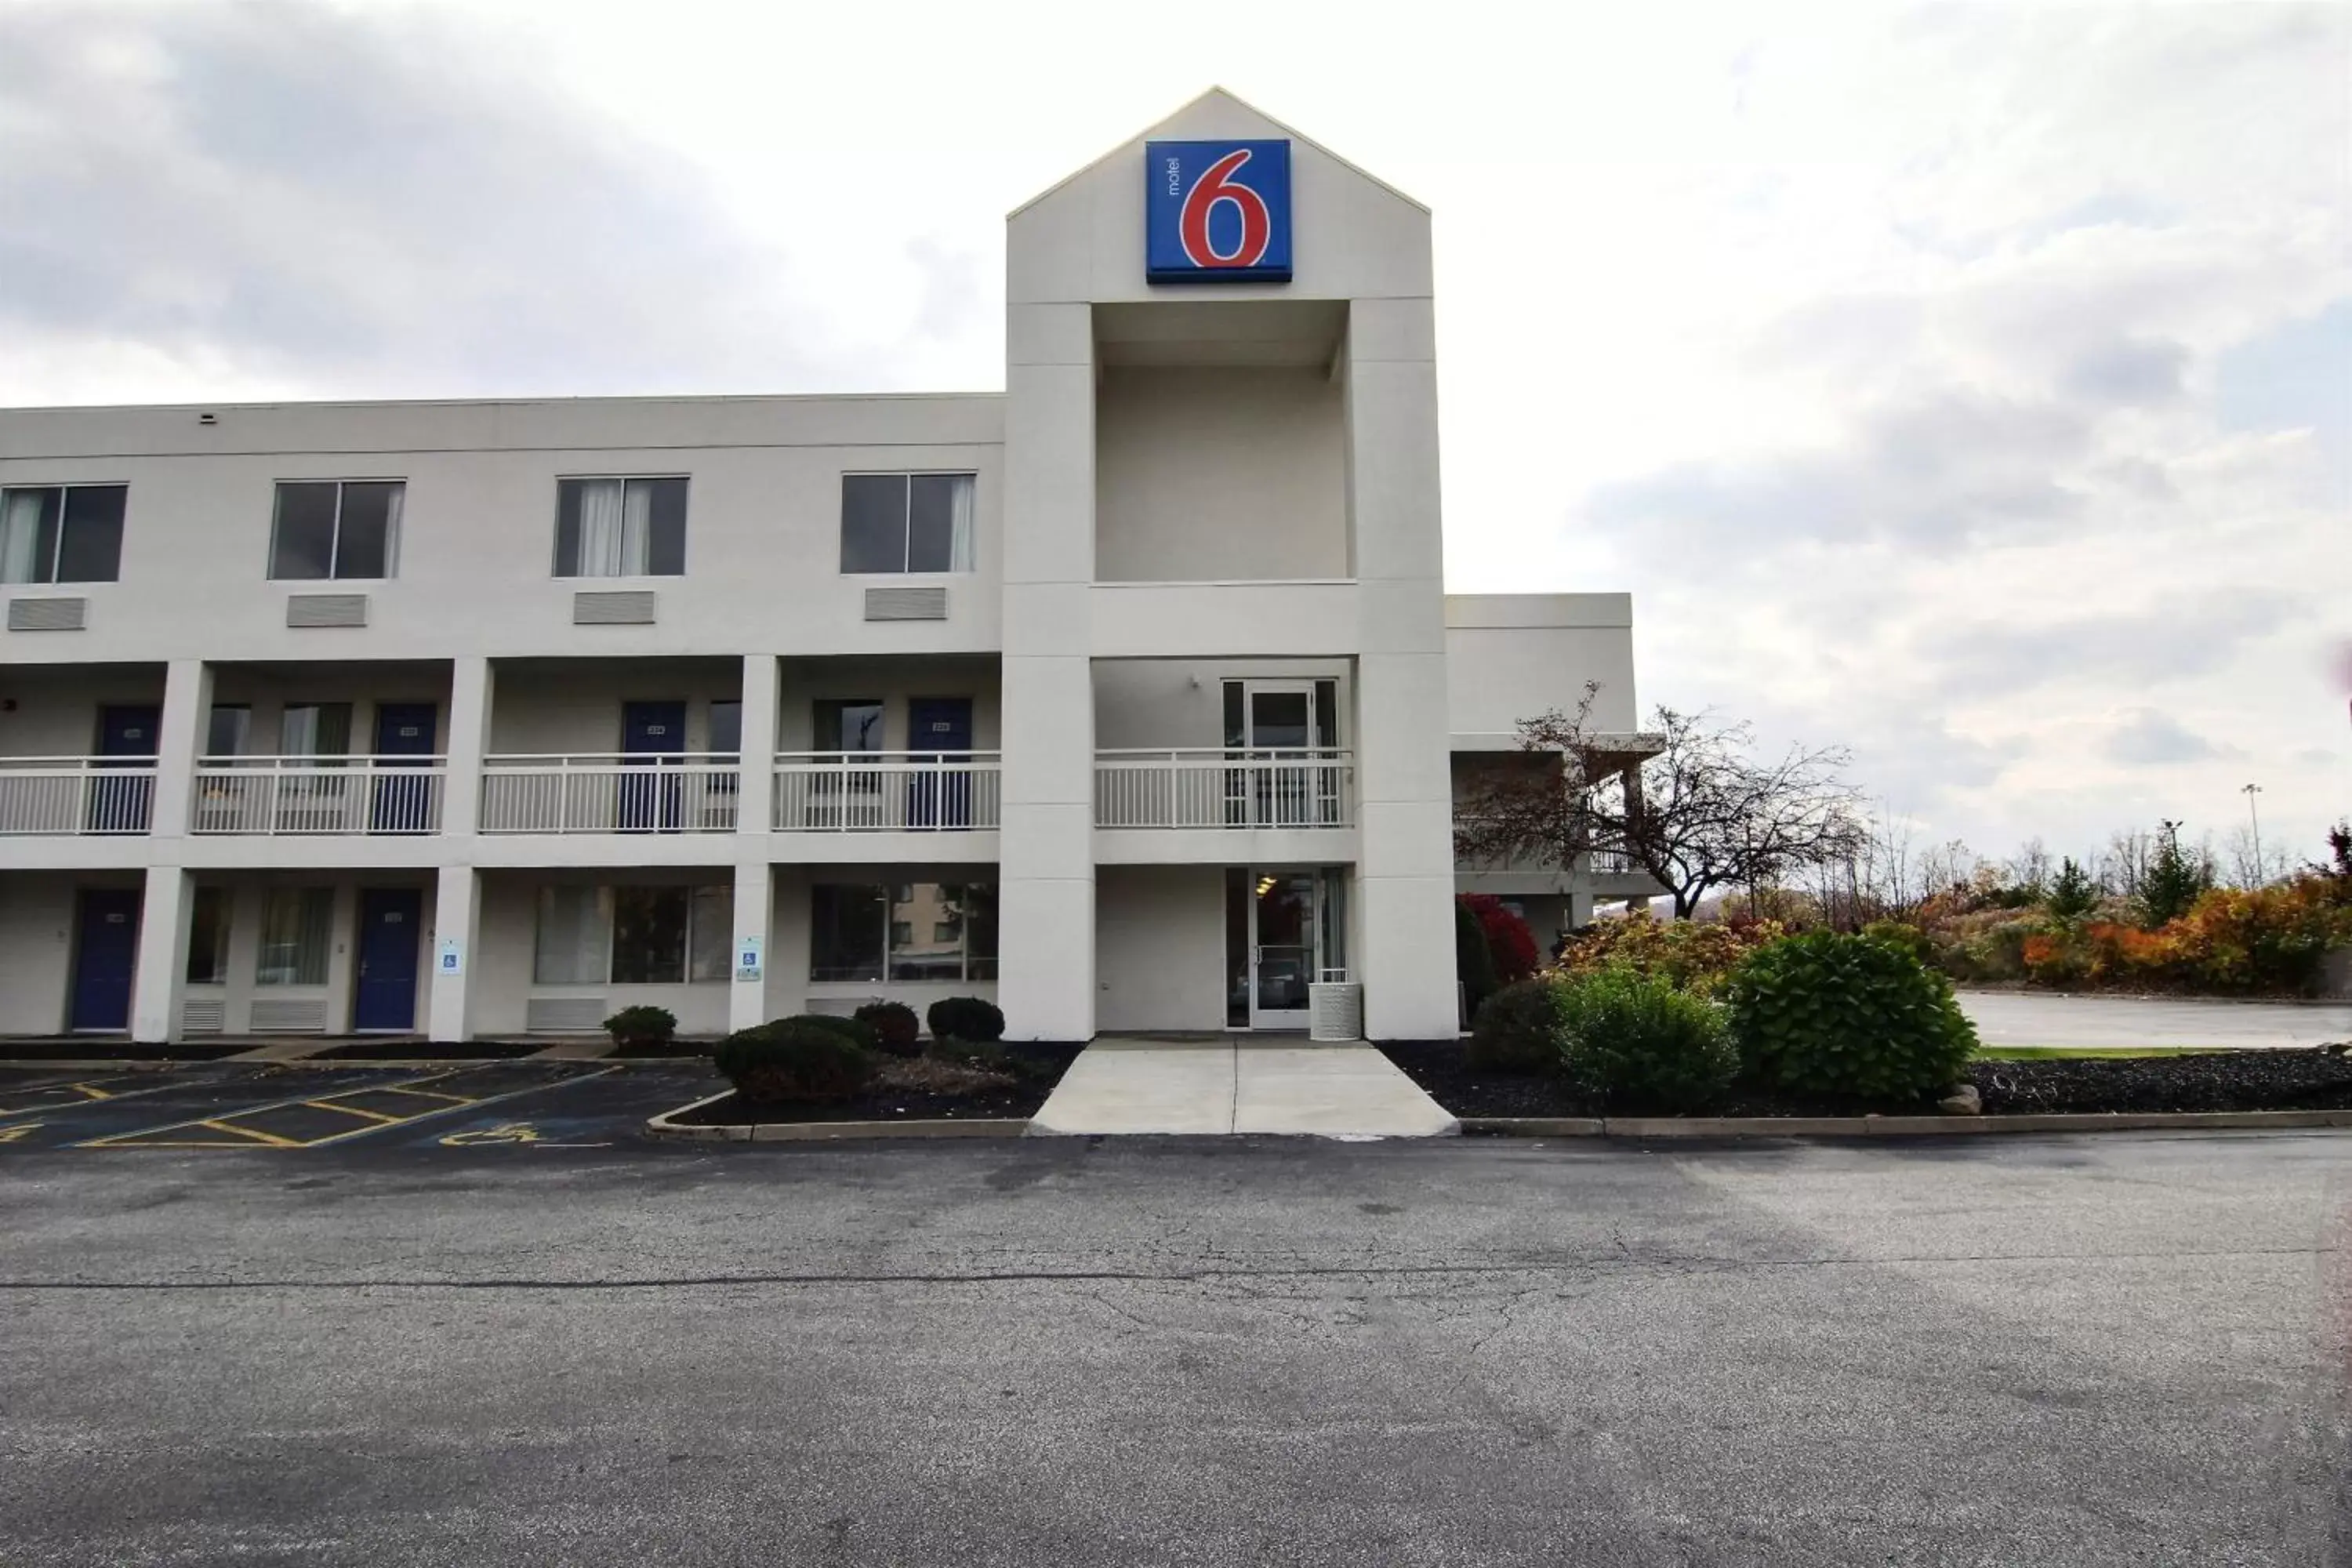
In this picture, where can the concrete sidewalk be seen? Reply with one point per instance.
(1222, 1086)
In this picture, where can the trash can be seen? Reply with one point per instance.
(1335, 1008)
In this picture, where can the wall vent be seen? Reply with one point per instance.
(47, 614)
(614, 607)
(326, 610)
(564, 1014)
(290, 1016)
(204, 1017)
(907, 604)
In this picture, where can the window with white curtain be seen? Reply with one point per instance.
(336, 528)
(620, 528)
(634, 934)
(907, 522)
(62, 533)
(296, 928)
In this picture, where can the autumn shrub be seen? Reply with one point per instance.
(1691, 955)
(1906, 937)
(1474, 960)
(2263, 939)
(1509, 943)
(896, 1028)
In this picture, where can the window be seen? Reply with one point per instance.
(871, 933)
(633, 935)
(208, 937)
(296, 927)
(575, 936)
(849, 724)
(726, 729)
(335, 528)
(226, 729)
(315, 729)
(906, 522)
(620, 528)
(62, 533)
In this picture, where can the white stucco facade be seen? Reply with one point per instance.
(1151, 719)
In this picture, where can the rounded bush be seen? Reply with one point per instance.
(1904, 936)
(1635, 1042)
(793, 1059)
(1847, 1017)
(642, 1027)
(895, 1028)
(973, 1019)
(856, 1031)
(1518, 1029)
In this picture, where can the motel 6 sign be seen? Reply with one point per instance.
(1216, 212)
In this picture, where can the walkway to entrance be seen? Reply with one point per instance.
(1245, 1086)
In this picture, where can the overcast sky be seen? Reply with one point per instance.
(1972, 387)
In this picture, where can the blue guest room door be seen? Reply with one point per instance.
(121, 803)
(105, 952)
(403, 804)
(651, 731)
(936, 727)
(385, 997)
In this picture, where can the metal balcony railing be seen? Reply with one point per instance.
(881, 791)
(611, 792)
(303, 796)
(76, 794)
(1228, 789)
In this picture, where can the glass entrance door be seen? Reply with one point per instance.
(1279, 787)
(1283, 925)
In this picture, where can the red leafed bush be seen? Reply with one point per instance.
(1508, 940)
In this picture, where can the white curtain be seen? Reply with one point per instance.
(392, 528)
(575, 936)
(602, 551)
(637, 531)
(960, 507)
(20, 536)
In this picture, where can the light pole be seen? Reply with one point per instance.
(2254, 817)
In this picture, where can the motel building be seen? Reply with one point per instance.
(1129, 697)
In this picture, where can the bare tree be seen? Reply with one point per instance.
(2123, 865)
(2030, 867)
(1697, 812)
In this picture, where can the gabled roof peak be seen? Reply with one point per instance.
(1235, 99)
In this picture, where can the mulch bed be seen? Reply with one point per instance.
(1017, 1101)
(430, 1051)
(105, 1048)
(2319, 1079)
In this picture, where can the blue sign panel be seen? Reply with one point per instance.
(1216, 212)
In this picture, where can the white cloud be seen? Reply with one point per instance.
(1944, 383)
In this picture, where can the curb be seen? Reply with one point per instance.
(1898, 1126)
(662, 1126)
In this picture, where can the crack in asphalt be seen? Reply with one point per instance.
(1690, 1264)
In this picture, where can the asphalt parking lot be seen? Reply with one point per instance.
(294, 1107)
(499, 1325)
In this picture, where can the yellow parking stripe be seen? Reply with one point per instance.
(91, 1091)
(354, 1111)
(424, 1094)
(270, 1138)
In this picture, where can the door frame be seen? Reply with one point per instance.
(135, 898)
(1284, 1018)
(360, 957)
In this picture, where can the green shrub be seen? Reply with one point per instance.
(856, 1031)
(1633, 1042)
(1902, 938)
(973, 1019)
(1847, 1017)
(1518, 1029)
(895, 1028)
(642, 1027)
(793, 1059)
(1474, 960)
(1695, 955)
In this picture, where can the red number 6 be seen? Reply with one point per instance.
(1257, 226)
